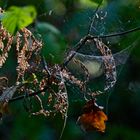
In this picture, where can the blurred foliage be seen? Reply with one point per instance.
(60, 24)
(54, 43)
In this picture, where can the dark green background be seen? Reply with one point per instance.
(60, 24)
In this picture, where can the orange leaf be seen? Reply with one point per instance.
(93, 117)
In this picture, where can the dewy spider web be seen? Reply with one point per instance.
(92, 60)
(95, 61)
(95, 67)
(97, 27)
(108, 59)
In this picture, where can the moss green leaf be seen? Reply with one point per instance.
(43, 28)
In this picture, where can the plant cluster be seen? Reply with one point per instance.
(37, 80)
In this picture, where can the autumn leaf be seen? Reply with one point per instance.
(6, 95)
(93, 118)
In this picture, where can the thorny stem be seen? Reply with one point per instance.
(89, 37)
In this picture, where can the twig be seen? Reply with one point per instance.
(29, 95)
(89, 37)
(45, 65)
(66, 113)
(117, 34)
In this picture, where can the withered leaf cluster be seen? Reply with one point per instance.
(47, 84)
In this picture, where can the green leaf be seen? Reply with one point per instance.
(43, 27)
(54, 44)
(17, 18)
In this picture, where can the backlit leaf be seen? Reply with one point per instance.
(16, 18)
(93, 117)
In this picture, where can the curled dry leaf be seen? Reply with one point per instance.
(3, 84)
(3, 108)
(6, 95)
(93, 118)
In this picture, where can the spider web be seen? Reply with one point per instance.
(99, 25)
(90, 56)
(120, 57)
(95, 63)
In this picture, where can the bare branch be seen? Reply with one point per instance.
(88, 37)
(30, 95)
